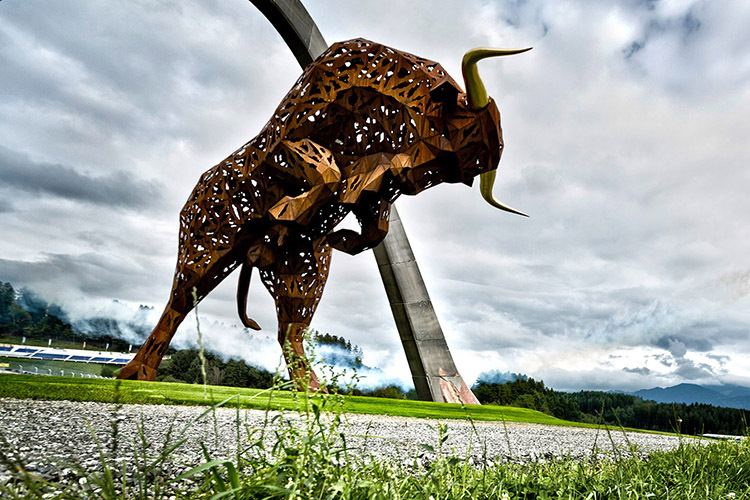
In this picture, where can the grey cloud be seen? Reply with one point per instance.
(632, 49)
(673, 325)
(597, 379)
(116, 189)
(685, 367)
(642, 370)
(683, 23)
(627, 315)
(677, 348)
(678, 344)
(90, 274)
(690, 370)
(140, 73)
(676, 44)
(65, 278)
(6, 207)
(664, 360)
(722, 360)
(95, 239)
(690, 23)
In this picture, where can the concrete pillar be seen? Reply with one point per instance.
(296, 27)
(432, 368)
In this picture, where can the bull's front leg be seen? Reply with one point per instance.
(373, 220)
(362, 192)
(145, 363)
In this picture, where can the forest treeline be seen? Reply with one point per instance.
(24, 314)
(185, 366)
(615, 408)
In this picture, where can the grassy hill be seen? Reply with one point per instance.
(129, 391)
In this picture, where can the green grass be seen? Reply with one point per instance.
(130, 391)
(44, 366)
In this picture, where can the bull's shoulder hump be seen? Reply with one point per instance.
(363, 63)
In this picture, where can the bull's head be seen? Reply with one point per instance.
(475, 136)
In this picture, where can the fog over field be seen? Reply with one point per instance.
(626, 141)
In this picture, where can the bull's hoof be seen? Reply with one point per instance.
(136, 370)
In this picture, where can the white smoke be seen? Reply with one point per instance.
(230, 342)
(342, 364)
(116, 320)
(498, 377)
(134, 323)
(737, 283)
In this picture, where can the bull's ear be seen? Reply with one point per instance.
(444, 92)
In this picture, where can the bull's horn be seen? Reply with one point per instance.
(478, 99)
(475, 90)
(486, 181)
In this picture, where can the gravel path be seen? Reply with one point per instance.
(47, 435)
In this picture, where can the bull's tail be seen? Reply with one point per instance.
(243, 286)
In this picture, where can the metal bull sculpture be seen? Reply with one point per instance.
(363, 124)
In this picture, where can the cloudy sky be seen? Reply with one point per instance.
(626, 140)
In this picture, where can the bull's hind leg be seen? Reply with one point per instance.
(194, 279)
(191, 284)
(208, 253)
(296, 283)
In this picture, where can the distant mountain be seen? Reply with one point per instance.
(730, 390)
(728, 396)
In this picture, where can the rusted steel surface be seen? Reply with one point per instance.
(364, 124)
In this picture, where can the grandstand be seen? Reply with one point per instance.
(75, 355)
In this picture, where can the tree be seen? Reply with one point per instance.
(18, 319)
(342, 354)
(236, 374)
(178, 365)
(390, 391)
(7, 298)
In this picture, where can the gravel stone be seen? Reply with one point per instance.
(62, 440)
